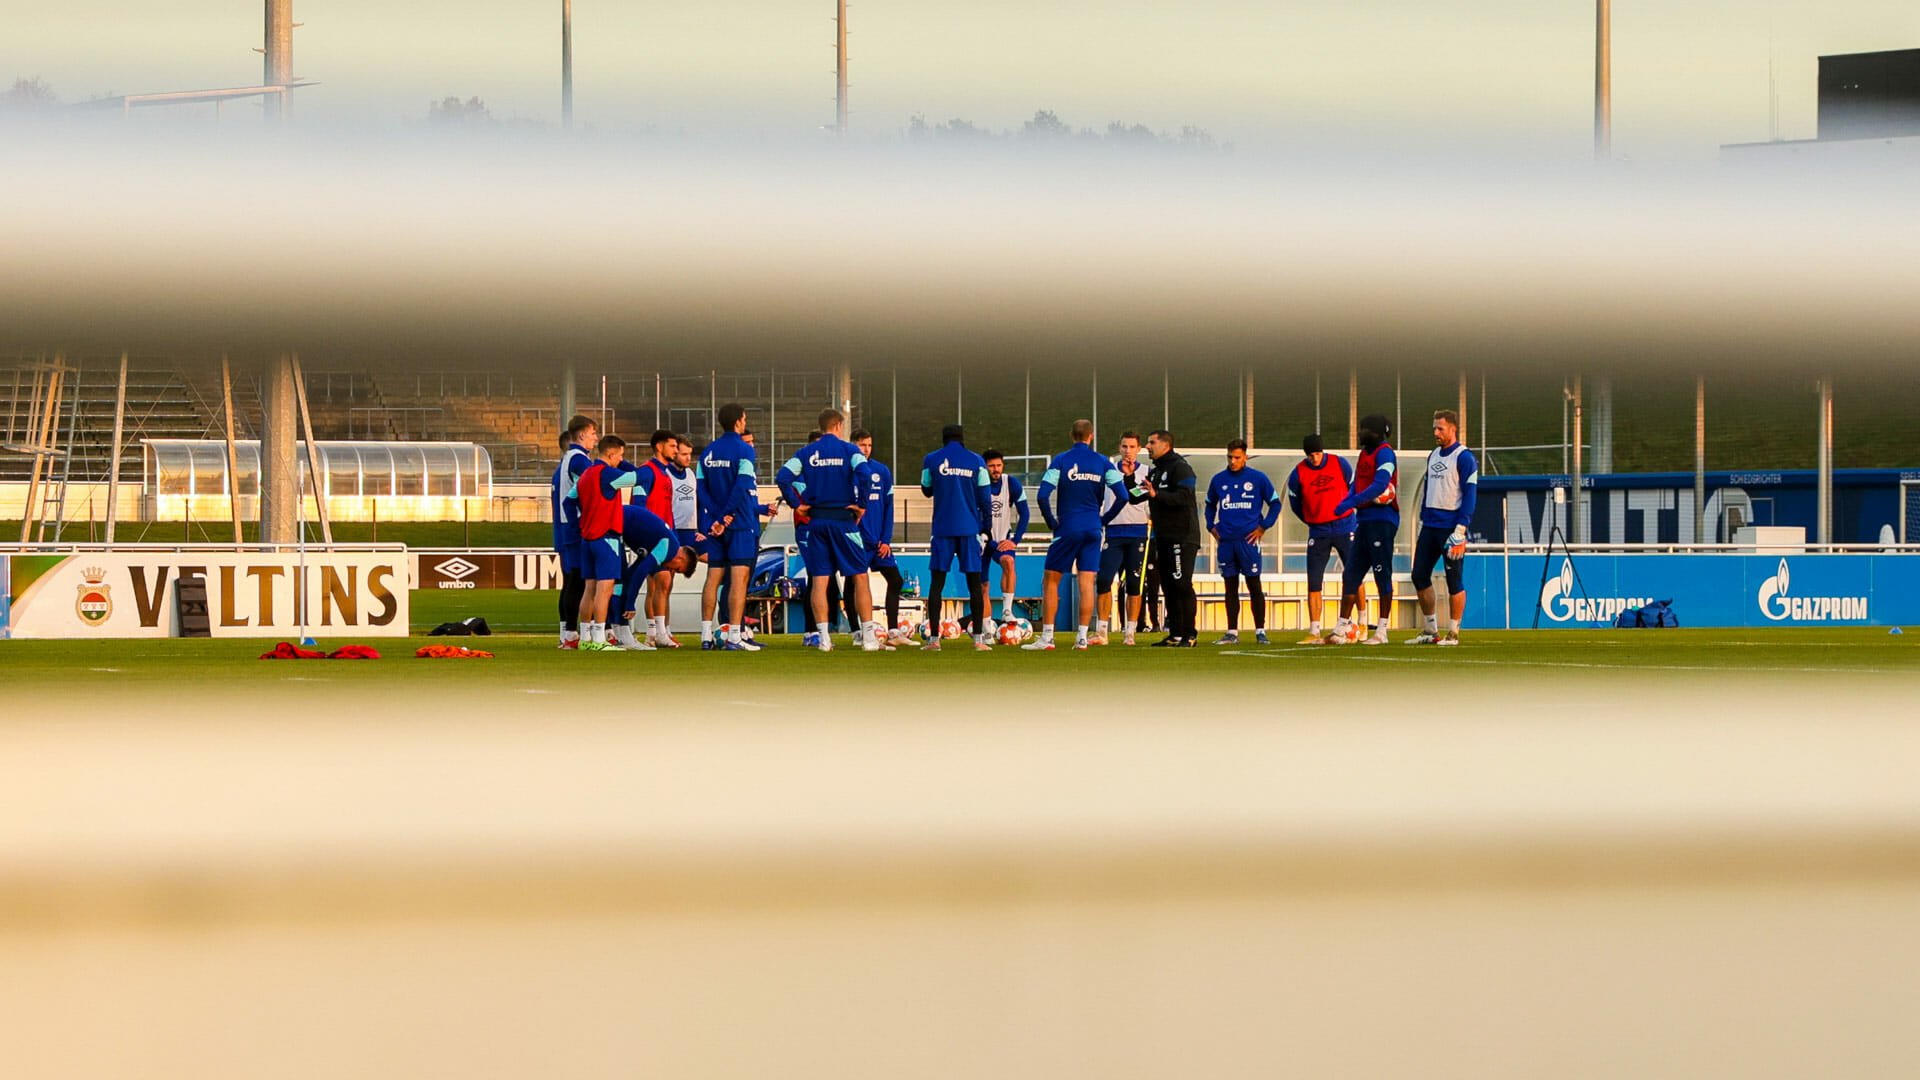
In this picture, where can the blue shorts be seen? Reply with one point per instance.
(878, 561)
(690, 538)
(836, 547)
(569, 551)
(1322, 548)
(604, 559)
(735, 547)
(1372, 554)
(1123, 559)
(1071, 549)
(1240, 557)
(990, 556)
(945, 549)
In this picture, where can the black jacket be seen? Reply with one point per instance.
(1175, 507)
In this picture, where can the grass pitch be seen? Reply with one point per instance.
(527, 663)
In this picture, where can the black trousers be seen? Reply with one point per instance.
(1174, 560)
(891, 575)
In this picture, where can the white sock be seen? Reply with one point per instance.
(1099, 626)
(1315, 628)
(1080, 634)
(706, 629)
(1433, 623)
(563, 629)
(825, 628)
(596, 633)
(1046, 634)
(1006, 612)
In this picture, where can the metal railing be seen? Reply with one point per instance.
(405, 415)
(484, 384)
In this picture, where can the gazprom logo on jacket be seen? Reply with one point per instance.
(1559, 604)
(1777, 604)
(1074, 473)
(947, 469)
(814, 459)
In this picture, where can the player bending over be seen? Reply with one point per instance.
(1446, 508)
(1071, 495)
(657, 550)
(1315, 490)
(1241, 507)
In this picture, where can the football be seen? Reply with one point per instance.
(951, 630)
(1010, 634)
(1389, 496)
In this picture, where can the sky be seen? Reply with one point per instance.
(1690, 74)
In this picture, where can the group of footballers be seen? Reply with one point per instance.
(1111, 518)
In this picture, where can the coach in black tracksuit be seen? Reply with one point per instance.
(1174, 510)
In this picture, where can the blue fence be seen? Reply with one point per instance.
(1657, 508)
(1586, 591)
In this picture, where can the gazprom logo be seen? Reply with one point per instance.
(1778, 605)
(1559, 604)
(1074, 473)
(814, 459)
(947, 469)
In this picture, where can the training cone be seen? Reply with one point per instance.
(308, 641)
(1896, 631)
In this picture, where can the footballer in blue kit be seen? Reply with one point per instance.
(1008, 516)
(1123, 554)
(1376, 502)
(828, 478)
(1241, 506)
(877, 525)
(1446, 508)
(581, 433)
(1077, 484)
(955, 478)
(730, 517)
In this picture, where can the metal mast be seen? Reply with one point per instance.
(279, 55)
(840, 68)
(566, 63)
(1603, 81)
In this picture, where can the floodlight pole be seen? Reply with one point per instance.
(1462, 410)
(1247, 431)
(840, 68)
(1603, 81)
(1825, 509)
(1576, 514)
(278, 53)
(1700, 460)
(566, 64)
(119, 428)
(1353, 408)
(233, 455)
(1096, 406)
